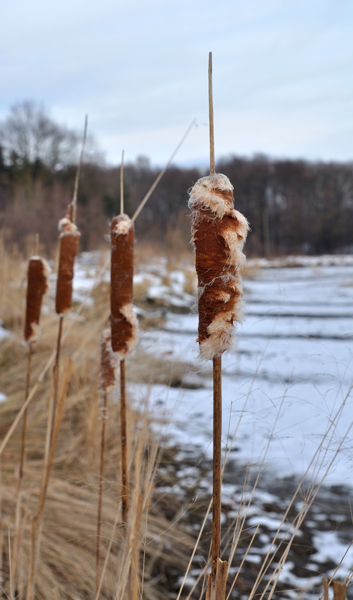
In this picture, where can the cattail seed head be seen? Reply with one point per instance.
(124, 324)
(109, 364)
(37, 286)
(218, 233)
(69, 238)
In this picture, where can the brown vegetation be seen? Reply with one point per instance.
(66, 566)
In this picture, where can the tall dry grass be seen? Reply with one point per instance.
(66, 567)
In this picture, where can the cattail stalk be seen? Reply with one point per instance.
(339, 590)
(124, 324)
(69, 239)
(24, 425)
(16, 545)
(37, 286)
(56, 374)
(160, 175)
(124, 474)
(38, 523)
(217, 389)
(107, 381)
(77, 179)
(1, 530)
(124, 477)
(218, 233)
(217, 462)
(32, 559)
(100, 489)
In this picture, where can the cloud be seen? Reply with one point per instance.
(282, 72)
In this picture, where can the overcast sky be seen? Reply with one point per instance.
(282, 81)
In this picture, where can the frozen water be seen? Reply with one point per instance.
(287, 378)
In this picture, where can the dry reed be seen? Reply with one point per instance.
(107, 381)
(218, 234)
(69, 536)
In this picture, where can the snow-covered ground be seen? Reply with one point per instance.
(289, 375)
(290, 372)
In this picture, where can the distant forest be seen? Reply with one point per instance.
(293, 206)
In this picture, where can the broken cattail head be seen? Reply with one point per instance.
(218, 233)
(37, 286)
(69, 238)
(109, 364)
(124, 324)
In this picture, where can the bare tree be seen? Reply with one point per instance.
(28, 135)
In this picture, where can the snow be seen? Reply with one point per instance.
(290, 373)
(303, 261)
(3, 332)
(332, 549)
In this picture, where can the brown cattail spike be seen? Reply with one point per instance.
(124, 324)
(69, 238)
(38, 273)
(218, 232)
(109, 364)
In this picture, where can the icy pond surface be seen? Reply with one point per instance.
(287, 379)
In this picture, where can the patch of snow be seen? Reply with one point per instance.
(332, 549)
(3, 332)
(189, 581)
(177, 282)
(286, 380)
(300, 583)
(147, 278)
(327, 260)
(253, 558)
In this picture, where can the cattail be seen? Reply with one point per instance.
(109, 364)
(124, 324)
(218, 232)
(69, 238)
(107, 378)
(38, 285)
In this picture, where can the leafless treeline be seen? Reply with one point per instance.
(293, 206)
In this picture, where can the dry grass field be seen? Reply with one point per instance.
(66, 567)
